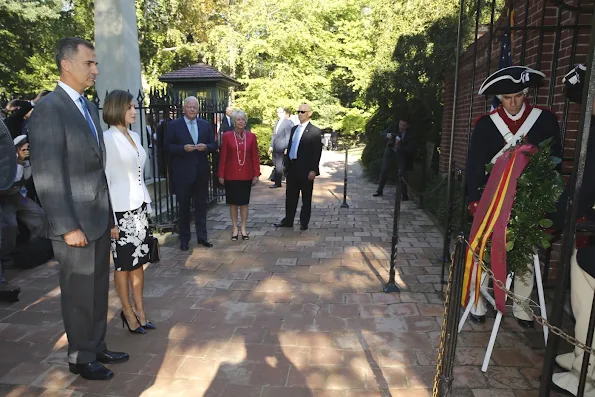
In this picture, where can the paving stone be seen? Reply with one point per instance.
(288, 313)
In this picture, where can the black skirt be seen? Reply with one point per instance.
(131, 250)
(238, 192)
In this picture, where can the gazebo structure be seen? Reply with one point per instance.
(202, 81)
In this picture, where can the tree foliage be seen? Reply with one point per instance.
(355, 61)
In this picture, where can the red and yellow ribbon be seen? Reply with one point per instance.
(491, 220)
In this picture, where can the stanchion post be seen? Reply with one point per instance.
(345, 205)
(391, 286)
(448, 226)
(452, 319)
(586, 356)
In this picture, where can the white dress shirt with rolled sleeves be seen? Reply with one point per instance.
(124, 169)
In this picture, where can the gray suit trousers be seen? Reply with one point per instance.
(84, 282)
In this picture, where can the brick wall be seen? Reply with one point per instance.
(549, 50)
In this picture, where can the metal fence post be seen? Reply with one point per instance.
(452, 320)
(391, 286)
(345, 205)
(448, 225)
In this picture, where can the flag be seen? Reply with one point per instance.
(505, 59)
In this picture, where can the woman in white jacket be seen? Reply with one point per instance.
(125, 162)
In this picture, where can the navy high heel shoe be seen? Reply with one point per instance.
(148, 325)
(139, 330)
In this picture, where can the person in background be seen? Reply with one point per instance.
(279, 142)
(16, 205)
(303, 158)
(189, 140)
(239, 169)
(151, 134)
(226, 121)
(125, 164)
(399, 151)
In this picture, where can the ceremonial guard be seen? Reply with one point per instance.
(514, 121)
(582, 263)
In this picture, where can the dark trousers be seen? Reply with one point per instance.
(278, 162)
(294, 186)
(16, 207)
(390, 160)
(84, 285)
(198, 193)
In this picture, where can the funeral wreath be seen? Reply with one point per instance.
(538, 189)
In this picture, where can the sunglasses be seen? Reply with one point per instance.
(303, 111)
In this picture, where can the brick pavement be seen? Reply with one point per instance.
(285, 314)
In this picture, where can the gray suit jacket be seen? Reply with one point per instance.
(68, 167)
(280, 140)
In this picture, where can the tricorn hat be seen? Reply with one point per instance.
(511, 80)
(574, 81)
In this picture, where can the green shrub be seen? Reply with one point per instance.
(263, 134)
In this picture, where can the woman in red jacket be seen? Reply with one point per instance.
(239, 169)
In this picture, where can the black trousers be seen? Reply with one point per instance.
(278, 163)
(84, 285)
(390, 160)
(295, 186)
(198, 192)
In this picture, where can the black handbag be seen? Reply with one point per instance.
(153, 248)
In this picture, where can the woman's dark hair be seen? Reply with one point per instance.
(116, 106)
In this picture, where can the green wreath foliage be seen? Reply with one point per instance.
(538, 189)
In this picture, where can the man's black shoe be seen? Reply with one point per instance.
(527, 324)
(108, 357)
(183, 246)
(477, 319)
(275, 186)
(206, 243)
(377, 194)
(405, 198)
(9, 292)
(282, 224)
(91, 371)
(304, 227)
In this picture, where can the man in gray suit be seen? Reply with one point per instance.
(279, 142)
(68, 159)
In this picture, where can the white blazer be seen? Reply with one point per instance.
(124, 169)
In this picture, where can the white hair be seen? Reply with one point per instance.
(239, 113)
(525, 93)
(190, 98)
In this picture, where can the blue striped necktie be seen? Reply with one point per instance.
(88, 117)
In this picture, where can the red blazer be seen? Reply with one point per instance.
(229, 166)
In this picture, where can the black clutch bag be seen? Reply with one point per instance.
(153, 248)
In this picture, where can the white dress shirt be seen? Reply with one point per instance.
(296, 142)
(74, 95)
(124, 171)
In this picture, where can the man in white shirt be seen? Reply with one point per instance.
(226, 123)
(279, 142)
(303, 157)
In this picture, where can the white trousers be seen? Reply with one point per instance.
(582, 286)
(523, 287)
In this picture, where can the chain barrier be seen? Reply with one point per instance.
(443, 329)
(523, 303)
(411, 189)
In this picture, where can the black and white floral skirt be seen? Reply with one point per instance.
(131, 250)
